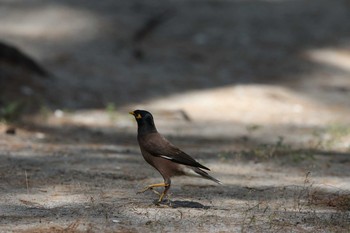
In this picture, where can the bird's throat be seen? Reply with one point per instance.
(145, 128)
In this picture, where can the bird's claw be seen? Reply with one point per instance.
(161, 195)
(164, 202)
(148, 188)
(144, 190)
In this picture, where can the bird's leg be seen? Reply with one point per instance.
(151, 186)
(166, 188)
(155, 191)
(169, 201)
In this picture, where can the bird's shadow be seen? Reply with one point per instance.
(182, 204)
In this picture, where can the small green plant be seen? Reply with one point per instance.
(272, 150)
(277, 149)
(11, 111)
(252, 128)
(328, 137)
(336, 132)
(225, 155)
(45, 112)
(111, 111)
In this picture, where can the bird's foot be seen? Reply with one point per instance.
(164, 202)
(144, 190)
(161, 197)
(151, 186)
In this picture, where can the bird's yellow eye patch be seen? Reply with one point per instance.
(137, 116)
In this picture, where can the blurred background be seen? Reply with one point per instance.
(283, 63)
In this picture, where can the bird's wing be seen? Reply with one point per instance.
(158, 146)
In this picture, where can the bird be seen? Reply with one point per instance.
(165, 157)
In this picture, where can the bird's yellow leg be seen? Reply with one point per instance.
(151, 186)
(156, 192)
(161, 196)
(167, 186)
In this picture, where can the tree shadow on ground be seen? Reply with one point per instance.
(228, 149)
(203, 45)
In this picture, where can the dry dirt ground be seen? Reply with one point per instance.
(259, 91)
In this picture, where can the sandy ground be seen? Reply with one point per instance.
(256, 90)
(80, 178)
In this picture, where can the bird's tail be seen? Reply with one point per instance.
(205, 175)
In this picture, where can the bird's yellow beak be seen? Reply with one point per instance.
(138, 116)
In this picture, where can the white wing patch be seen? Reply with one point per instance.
(166, 157)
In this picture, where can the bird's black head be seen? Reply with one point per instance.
(145, 121)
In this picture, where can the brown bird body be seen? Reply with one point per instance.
(162, 155)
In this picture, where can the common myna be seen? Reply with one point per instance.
(162, 155)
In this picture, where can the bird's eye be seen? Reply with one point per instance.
(138, 116)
